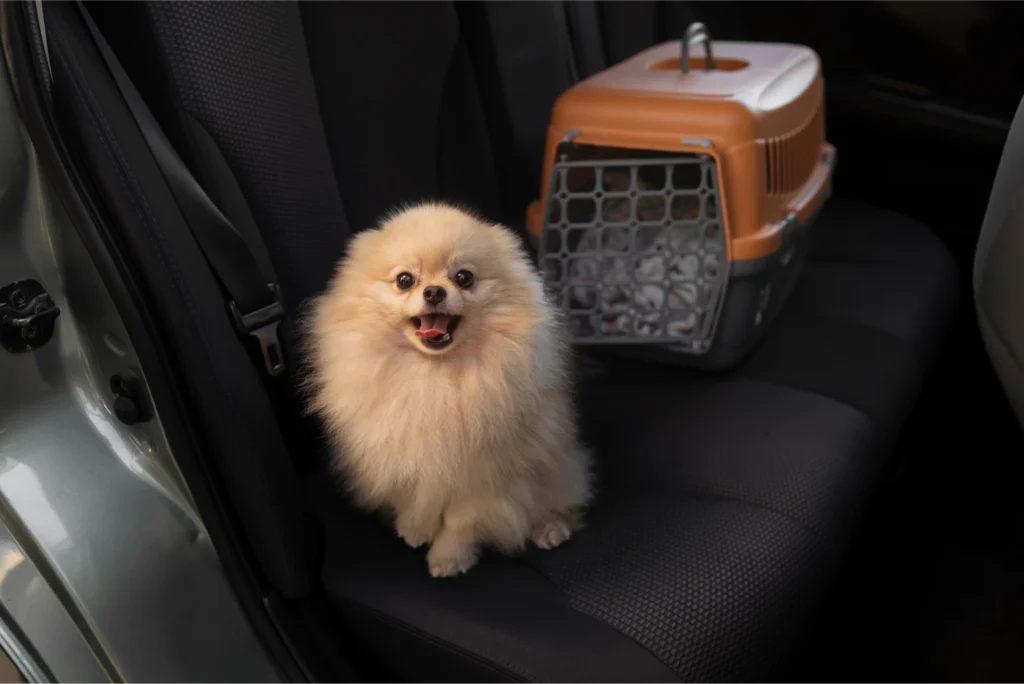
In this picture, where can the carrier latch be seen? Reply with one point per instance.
(694, 35)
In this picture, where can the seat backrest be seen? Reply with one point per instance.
(522, 55)
(401, 105)
(998, 272)
(232, 87)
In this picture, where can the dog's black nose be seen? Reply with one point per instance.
(434, 294)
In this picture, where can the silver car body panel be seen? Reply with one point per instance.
(106, 569)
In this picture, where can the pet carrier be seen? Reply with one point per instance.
(677, 191)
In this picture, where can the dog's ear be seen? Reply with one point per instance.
(361, 243)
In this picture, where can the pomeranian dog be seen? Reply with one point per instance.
(439, 369)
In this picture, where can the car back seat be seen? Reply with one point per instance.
(726, 500)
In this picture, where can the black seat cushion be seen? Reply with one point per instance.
(882, 270)
(723, 507)
(868, 316)
(778, 448)
(657, 588)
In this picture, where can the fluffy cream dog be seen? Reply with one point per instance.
(440, 372)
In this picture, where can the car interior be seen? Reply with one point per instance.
(840, 505)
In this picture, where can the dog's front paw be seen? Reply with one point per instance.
(551, 534)
(415, 535)
(447, 560)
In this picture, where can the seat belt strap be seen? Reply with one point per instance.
(254, 304)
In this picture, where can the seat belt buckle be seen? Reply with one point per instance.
(265, 325)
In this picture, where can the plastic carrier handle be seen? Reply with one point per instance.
(695, 34)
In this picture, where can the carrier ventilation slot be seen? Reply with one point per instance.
(633, 248)
(790, 159)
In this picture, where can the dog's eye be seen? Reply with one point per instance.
(463, 279)
(405, 281)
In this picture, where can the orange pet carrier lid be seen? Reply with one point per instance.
(752, 94)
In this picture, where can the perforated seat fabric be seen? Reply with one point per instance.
(764, 445)
(220, 95)
(660, 587)
(720, 520)
(726, 500)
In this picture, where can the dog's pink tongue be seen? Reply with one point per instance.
(433, 326)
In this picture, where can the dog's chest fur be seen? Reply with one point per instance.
(455, 426)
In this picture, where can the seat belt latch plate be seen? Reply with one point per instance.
(265, 325)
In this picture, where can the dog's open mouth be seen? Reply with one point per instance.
(435, 330)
